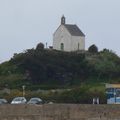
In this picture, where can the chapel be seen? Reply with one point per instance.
(68, 37)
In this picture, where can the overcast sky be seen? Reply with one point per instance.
(25, 23)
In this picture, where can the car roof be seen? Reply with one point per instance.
(19, 98)
(2, 99)
(35, 98)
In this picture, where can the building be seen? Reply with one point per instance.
(113, 93)
(68, 37)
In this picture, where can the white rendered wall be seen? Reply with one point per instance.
(77, 40)
(62, 35)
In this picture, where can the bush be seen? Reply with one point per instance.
(93, 49)
(40, 46)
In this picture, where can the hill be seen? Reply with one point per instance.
(83, 72)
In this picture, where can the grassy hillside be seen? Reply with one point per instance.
(82, 74)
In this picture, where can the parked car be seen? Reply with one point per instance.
(3, 101)
(35, 100)
(50, 102)
(19, 100)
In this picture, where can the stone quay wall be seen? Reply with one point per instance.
(60, 112)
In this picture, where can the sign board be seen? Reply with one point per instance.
(113, 93)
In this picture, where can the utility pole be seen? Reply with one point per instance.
(23, 87)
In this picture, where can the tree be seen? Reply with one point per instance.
(93, 49)
(40, 46)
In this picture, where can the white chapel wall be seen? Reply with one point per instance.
(77, 40)
(62, 36)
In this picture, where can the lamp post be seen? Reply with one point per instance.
(23, 87)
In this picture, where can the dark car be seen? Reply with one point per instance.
(35, 100)
(3, 101)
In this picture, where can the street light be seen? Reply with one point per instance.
(23, 87)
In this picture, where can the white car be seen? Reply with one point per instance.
(3, 101)
(19, 100)
(35, 101)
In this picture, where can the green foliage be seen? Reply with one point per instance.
(106, 64)
(82, 72)
(8, 68)
(83, 94)
(14, 93)
(12, 81)
(51, 66)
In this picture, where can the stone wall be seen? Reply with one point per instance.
(60, 112)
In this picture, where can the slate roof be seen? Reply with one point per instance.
(74, 30)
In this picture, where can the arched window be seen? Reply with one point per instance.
(62, 46)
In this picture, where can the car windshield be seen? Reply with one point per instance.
(18, 99)
(35, 99)
(3, 100)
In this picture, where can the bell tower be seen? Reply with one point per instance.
(63, 20)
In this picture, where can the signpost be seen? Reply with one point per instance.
(23, 87)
